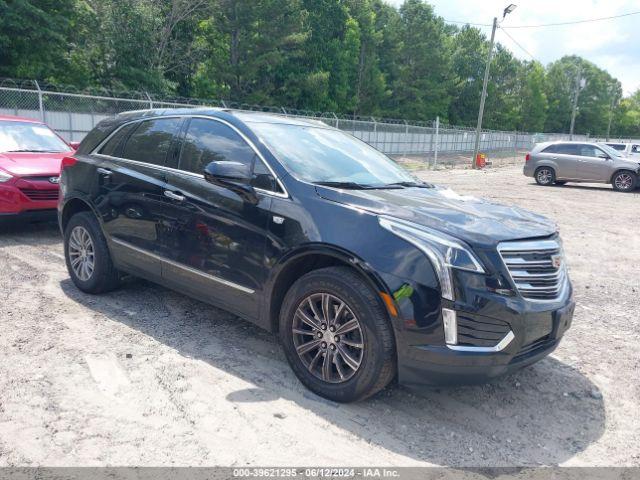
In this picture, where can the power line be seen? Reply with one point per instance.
(546, 24)
(520, 46)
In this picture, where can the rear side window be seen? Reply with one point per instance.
(563, 148)
(151, 140)
(113, 146)
(209, 141)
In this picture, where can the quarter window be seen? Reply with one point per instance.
(114, 144)
(151, 140)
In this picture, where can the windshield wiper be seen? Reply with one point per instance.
(354, 185)
(410, 184)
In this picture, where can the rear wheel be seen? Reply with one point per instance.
(545, 176)
(87, 255)
(336, 335)
(624, 181)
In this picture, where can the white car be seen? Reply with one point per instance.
(631, 150)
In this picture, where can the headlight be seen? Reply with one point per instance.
(444, 251)
(4, 177)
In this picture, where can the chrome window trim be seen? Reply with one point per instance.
(501, 345)
(184, 267)
(283, 194)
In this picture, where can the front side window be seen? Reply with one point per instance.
(317, 154)
(209, 141)
(590, 151)
(151, 140)
(29, 137)
(635, 149)
(617, 146)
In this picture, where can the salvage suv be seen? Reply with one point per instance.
(364, 272)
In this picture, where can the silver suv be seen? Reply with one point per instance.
(561, 162)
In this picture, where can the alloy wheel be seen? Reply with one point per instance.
(81, 253)
(545, 176)
(328, 337)
(623, 181)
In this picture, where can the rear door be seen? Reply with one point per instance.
(594, 164)
(218, 239)
(132, 202)
(563, 157)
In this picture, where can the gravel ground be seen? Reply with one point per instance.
(145, 376)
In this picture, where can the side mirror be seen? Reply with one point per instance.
(74, 145)
(232, 175)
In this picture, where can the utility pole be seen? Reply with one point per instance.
(476, 147)
(510, 8)
(580, 82)
(614, 97)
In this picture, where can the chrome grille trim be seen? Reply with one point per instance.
(532, 271)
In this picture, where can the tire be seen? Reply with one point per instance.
(103, 276)
(560, 182)
(624, 181)
(377, 357)
(545, 176)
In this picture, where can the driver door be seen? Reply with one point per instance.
(594, 164)
(217, 238)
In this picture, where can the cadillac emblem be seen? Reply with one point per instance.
(556, 261)
(54, 180)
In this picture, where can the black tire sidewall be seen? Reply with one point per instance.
(553, 176)
(376, 354)
(102, 278)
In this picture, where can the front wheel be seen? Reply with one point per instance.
(624, 181)
(336, 335)
(545, 176)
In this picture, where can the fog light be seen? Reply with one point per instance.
(450, 326)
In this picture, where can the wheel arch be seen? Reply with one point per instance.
(71, 207)
(620, 170)
(304, 260)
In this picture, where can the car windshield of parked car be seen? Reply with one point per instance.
(29, 137)
(324, 155)
(612, 152)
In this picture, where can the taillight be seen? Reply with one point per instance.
(526, 159)
(68, 162)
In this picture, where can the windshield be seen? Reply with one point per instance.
(323, 155)
(29, 137)
(610, 151)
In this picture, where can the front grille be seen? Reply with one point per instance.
(40, 195)
(537, 268)
(484, 332)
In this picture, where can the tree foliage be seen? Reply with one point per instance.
(361, 57)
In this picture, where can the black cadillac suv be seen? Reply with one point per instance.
(366, 273)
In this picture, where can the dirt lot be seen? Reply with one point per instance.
(145, 376)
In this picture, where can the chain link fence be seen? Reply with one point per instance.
(73, 114)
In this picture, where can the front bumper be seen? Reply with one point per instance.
(24, 198)
(535, 335)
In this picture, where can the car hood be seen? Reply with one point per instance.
(476, 221)
(22, 164)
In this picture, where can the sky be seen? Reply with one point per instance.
(613, 45)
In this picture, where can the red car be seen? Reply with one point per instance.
(30, 158)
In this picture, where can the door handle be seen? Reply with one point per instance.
(104, 171)
(554, 158)
(173, 196)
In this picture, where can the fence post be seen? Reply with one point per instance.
(40, 101)
(435, 150)
(149, 98)
(375, 130)
(337, 120)
(284, 111)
